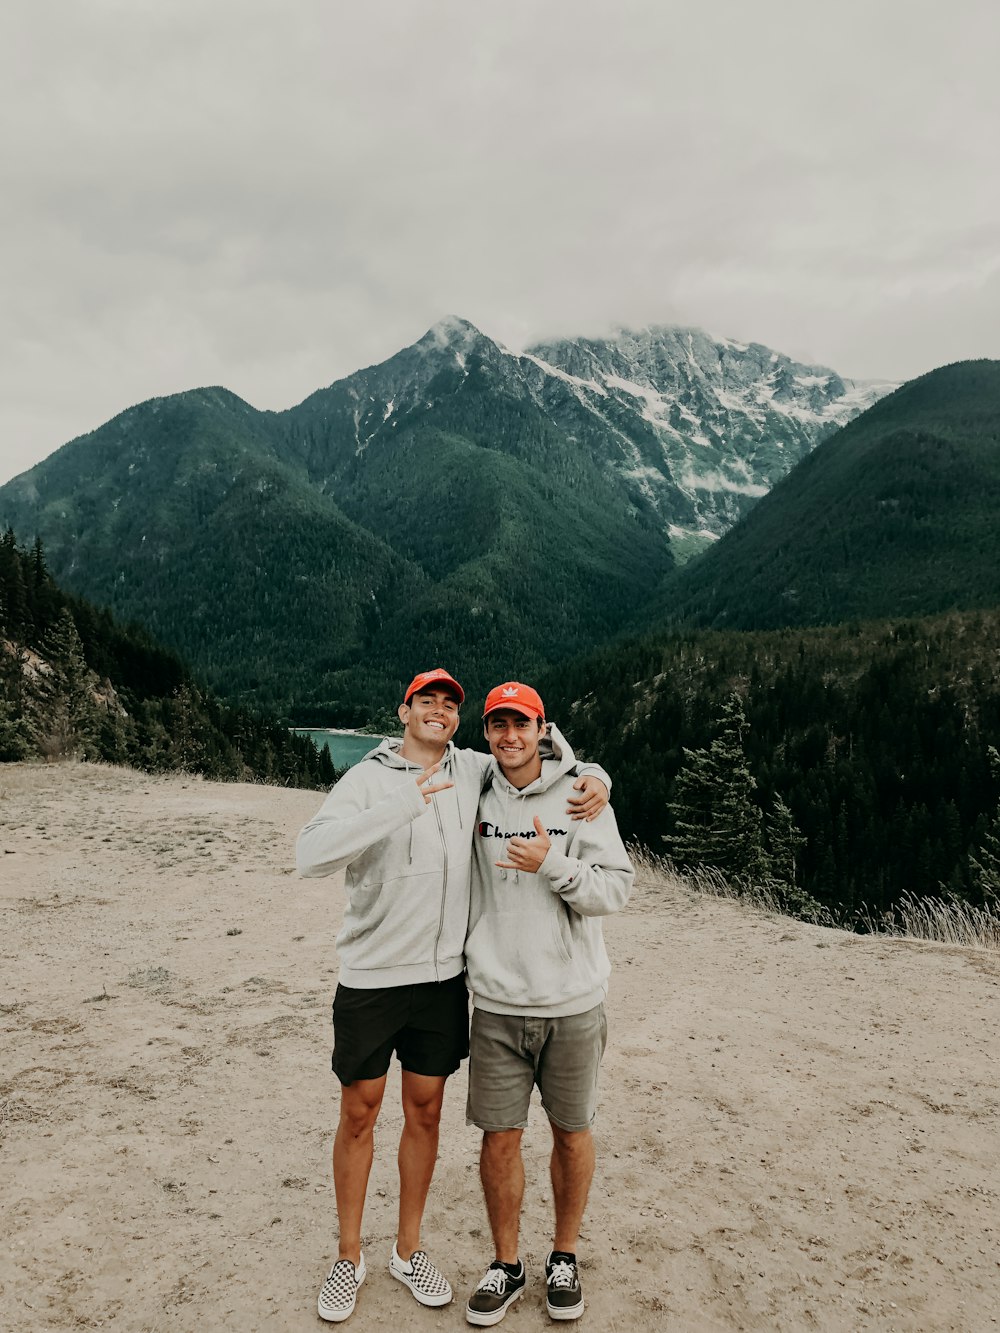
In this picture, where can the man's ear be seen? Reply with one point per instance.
(543, 728)
(403, 712)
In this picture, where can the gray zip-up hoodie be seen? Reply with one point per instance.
(535, 946)
(407, 864)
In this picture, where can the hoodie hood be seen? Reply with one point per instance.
(388, 752)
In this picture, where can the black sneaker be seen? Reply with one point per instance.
(564, 1296)
(498, 1290)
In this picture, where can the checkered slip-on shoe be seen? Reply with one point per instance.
(563, 1293)
(495, 1294)
(428, 1284)
(339, 1293)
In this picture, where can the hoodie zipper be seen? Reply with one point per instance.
(444, 859)
(444, 887)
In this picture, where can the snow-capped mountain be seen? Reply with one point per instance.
(698, 427)
(399, 513)
(716, 420)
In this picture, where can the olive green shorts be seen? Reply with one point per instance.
(509, 1055)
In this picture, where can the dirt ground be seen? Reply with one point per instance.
(798, 1127)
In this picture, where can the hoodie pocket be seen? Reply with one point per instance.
(392, 924)
(519, 958)
(565, 933)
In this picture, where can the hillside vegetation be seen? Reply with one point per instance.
(74, 683)
(876, 736)
(895, 515)
(455, 503)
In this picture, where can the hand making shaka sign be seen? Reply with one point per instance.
(527, 854)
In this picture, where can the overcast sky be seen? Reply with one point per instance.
(271, 195)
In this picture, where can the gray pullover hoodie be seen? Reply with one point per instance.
(407, 864)
(535, 946)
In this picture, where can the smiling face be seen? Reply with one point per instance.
(430, 717)
(513, 740)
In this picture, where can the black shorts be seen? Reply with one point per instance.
(427, 1025)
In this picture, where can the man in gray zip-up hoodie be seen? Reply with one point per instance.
(400, 825)
(538, 972)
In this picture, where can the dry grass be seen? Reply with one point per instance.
(946, 920)
(942, 920)
(702, 879)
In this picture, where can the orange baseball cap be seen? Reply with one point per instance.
(520, 698)
(436, 676)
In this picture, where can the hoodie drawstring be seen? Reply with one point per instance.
(458, 803)
(518, 796)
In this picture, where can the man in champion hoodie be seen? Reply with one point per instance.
(400, 824)
(538, 972)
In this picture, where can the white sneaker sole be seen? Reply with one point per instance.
(560, 1312)
(494, 1317)
(420, 1296)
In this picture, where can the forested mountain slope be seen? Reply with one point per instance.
(876, 736)
(456, 503)
(75, 683)
(897, 514)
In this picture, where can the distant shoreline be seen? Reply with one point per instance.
(339, 731)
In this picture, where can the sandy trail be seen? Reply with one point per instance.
(798, 1127)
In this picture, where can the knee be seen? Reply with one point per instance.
(423, 1116)
(357, 1117)
(501, 1146)
(572, 1144)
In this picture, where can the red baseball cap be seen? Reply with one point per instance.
(436, 676)
(519, 698)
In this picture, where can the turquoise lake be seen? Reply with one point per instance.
(345, 751)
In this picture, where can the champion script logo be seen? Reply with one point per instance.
(488, 830)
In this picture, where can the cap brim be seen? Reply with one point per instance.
(507, 707)
(438, 683)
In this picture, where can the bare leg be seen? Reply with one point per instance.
(418, 1145)
(353, 1150)
(572, 1168)
(502, 1172)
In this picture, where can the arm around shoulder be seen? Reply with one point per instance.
(593, 771)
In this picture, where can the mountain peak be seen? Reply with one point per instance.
(452, 333)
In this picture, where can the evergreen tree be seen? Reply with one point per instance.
(784, 841)
(17, 736)
(326, 773)
(985, 862)
(717, 821)
(188, 746)
(66, 712)
(13, 594)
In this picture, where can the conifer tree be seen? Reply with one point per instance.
(17, 736)
(985, 862)
(327, 774)
(13, 594)
(717, 821)
(187, 744)
(784, 840)
(66, 714)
